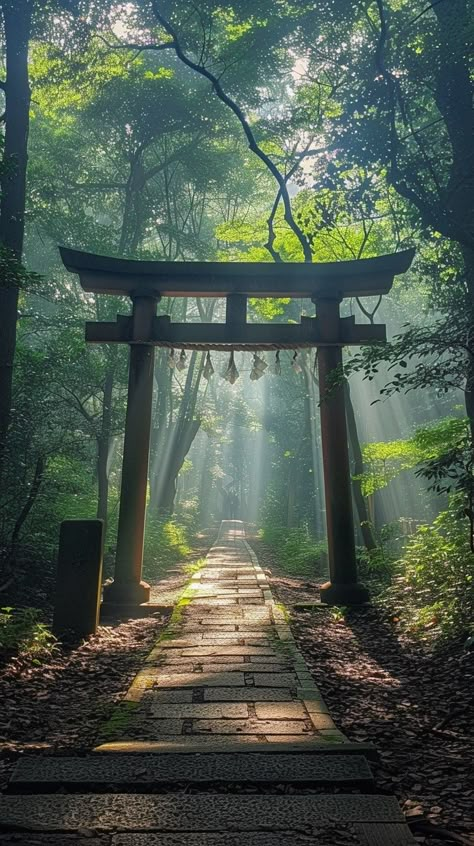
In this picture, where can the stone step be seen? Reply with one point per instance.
(255, 768)
(355, 834)
(203, 813)
(323, 834)
(205, 744)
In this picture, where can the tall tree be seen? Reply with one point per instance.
(17, 21)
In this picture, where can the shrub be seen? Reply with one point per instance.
(23, 632)
(166, 543)
(376, 566)
(298, 553)
(434, 581)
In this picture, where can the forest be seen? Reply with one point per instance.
(278, 131)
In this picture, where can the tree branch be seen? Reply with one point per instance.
(167, 45)
(252, 143)
(420, 15)
(271, 232)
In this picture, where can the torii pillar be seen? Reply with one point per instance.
(128, 589)
(343, 587)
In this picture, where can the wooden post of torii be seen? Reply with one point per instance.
(325, 284)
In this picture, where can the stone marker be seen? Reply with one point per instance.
(79, 578)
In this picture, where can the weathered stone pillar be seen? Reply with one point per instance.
(343, 587)
(79, 578)
(128, 589)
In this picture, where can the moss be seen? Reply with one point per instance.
(123, 714)
(119, 722)
(194, 566)
(332, 738)
(170, 631)
(283, 610)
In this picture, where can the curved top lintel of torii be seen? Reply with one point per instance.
(356, 278)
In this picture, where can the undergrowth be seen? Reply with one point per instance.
(433, 583)
(297, 552)
(166, 543)
(427, 587)
(23, 633)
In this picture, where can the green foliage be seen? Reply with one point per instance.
(376, 567)
(440, 451)
(384, 461)
(23, 633)
(297, 552)
(267, 309)
(166, 543)
(434, 581)
(187, 515)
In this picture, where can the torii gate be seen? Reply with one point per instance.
(326, 284)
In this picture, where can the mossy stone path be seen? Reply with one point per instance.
(225, 701)
(227, 669)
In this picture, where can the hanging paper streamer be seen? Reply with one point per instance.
(231, 374)
(276, 369)
(208, 368)
(181, 363)
(171, 360)
(295, 363)
(258, 368)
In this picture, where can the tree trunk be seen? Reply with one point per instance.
(291, 520)
(17, 24)
(103, 446)
(178, 442)
(358, 469)
(174, 443)
(30, 501)
(165, 504)
(468, 256)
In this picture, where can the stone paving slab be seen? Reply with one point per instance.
(285, 711)
(275, 680)
(206, 812)
(253, 767)
(350, 834)
(328, 834)
(236, 634)
(200, 679)
(200, 710)
(235, 744)
(226, 649)
(246, 667)
(168, 696)
(32, 839)
(248, 694)
(257, 726)
(235, 660)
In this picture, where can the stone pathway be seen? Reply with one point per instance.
(225, 704)
(227, 669)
